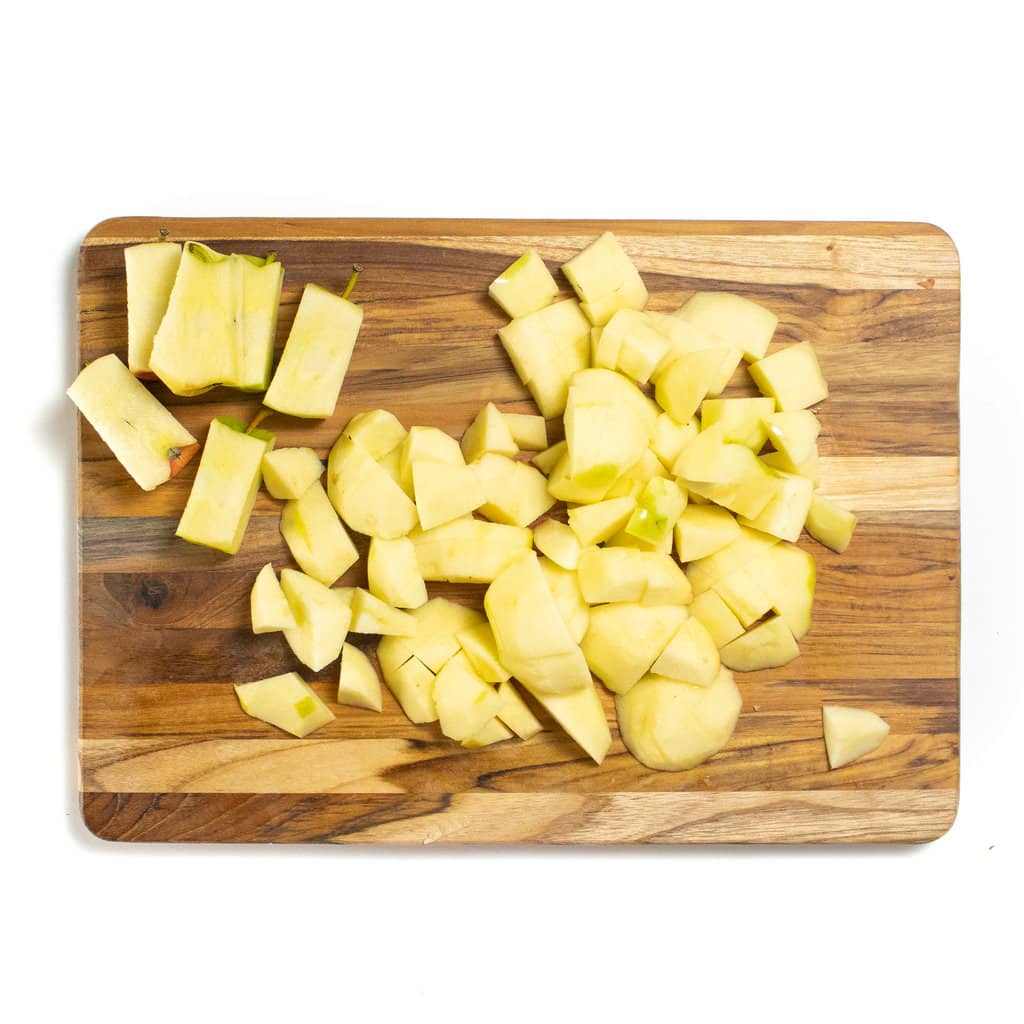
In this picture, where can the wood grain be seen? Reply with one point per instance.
(165, 753)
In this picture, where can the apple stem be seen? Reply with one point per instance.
(260, 416)
(356, 268)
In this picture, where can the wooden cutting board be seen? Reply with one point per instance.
(166, 753)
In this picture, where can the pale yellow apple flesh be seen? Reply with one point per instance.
(378, 432)
(830, 524)
(364, 495)
(322, 620)
(691, 655)
(851, 733)
(464, 702)
(605, 279)
(791, 376)
(316, 537)
(285, 701)
(623, 640)
(468, 550)
(358, 683)
(393, 574)
(529, 432)
(514, 493)
(268, 607)
(478, 644)
(150, 270)
(524, 286)
(736, 320)
(516, 713)
(558, 542)
(288, 472)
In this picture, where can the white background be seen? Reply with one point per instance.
(829, 111)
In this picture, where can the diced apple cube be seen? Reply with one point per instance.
(365, 495)
(558, 542)
(323, 620)
(851, 733)
(478, 644)
(489, 432)
(623, 640)
(632, 483)
(744, 595)
(358, 684)
(514, 492)
(716, 617)
(769, 644)
(830, 524)
(791, 376)
(524, 286)
(670, 438)
(516, 713)
(605, 279)
(595, 523)
(691, 656)
(371, 615)
(285, 701)
(732, 318)
(686, 381)
(657, 511)
(412, 685)
(563, 486)
(564, 585)
(809, 468)
(316, 537)
(743, 420)
(268, 607)
(288, 472)
(495, 731)
(464, 702)
(702, 530)
(468, 550)
(546, 460)
(794, 434)
(529, 432)
(632, 345)
(393, 573)
(785, 514)
(378, 432)
(444, 492)
(610, 575)
(438, 624)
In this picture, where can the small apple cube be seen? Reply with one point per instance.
(438, 624)
(514, 493)
(594, 524)
(670, 438)
(558, 542)
(769, 644)
(702, 530)
(378, 432)
(358, 684)
(316, 355)
(742, 592)
(288, 472)
(732, 318)
(632, 345)
(830, 524)
(809, 468)
(535, 341)
(478, 644)
(794, 434)
(285, 701)
(224, 491)
(787, 574)
(445, 492)
(742, 419)
(657, 511)
(150, 270)
(791, 376)
(610, 575)
(524, 286)
(716, 617)
(489, 432)
(564, 585)
(546, 460)
(605, 279)
(686, 381)
(529, 432)
(581, 714)
(851, 733)
(468, 550)
(316, 537)
(516, 713)
(371, 615)
(143, 436)
(785, 514)
(495, 731)
(393, 574)
(563, 486)
(412, 685)
(268, 607)
(323, 620)
(742, 553)
(365, 495)
(690, 656)
(626, 540)
(632, 483)
(464, 702)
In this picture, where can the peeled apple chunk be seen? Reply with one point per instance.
(830, 524)
(393, 574)
(268, 607)
(624, 640)
(672, 726)
(580, 713)
(489, 432)
(670, 438)
(468, 550)
(371, 615)
(464, 702)
(438, 624)
(478, 644)
(445, 492)
(702, 530)
(516, 713)
(794, 433)
(224, 491)
(220, 322)
(412, 685)
(564, 585)
(285, 701)
(636, 478)
(529, 432)
(732, 318)
(791, 376)
(316, 537)
(769, 644)
(608, 575)
(594, 524)
(686, 381)
(288, 472)
(851, 733)
(323, 620)
(143, 436)
(546, 460)
(716, 617)
(558, 542)
(495, 731)
(605, 279)
(150, 270)
(524, 286)
(514, 493)
(657, 511)
(788, 573)
(377, 432)
(358, 685)
(633, 345)
(316, 355)
(364, 495)
(742, 419)
(785, 514)
(690, 656)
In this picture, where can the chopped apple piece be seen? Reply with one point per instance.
(220, 322)
(285, 701)
(464, 702)
(729, 474)
(612, 575)
(787, 573)
(558, 542)
(489, 432)
(580, 713)
(851, 733)
(364, 495)
(791, 376)
(595, 523)
(143, 436)
(562, 486)
(670, 438)
(630, 344)
(785, 514)
(316, 355)
(564, 585)
(514, 493)
(495, 731)
(224, 491)
(702, 530)
(524, 286)
(288, 472)
(426, 444)
(691, 656)
(150, 270)
(686, 381)
(316, 537)
(605, 279)
(529, 432)
(732, 318)
(371, 615)
(810, 468)
(743, 593)
(379, 432)
(794, 434)
(830, 524)
(546, 460)
(438, 624)
(657, 511)
(323, 620)
(671, 726)
(743, 420)
(624, 640)
(468, 550)
(626, 540)
(393, 573)
(445, 492)
(392, 465)
(716, 617)
(740, 554)
(769, 644)
(635, 479)
(268, 607)
(358, 684)
(478, 644)
(412, 685)
(516, 713)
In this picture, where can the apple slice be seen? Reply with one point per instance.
(288, 472)
(733, 319)
(791, 376)
(285, 701)
(315, 536)
(323, 620)
(529, 432)
(468, 550)
(411, 683)
(220, 322)
(364, 495)
(371, 615)
(445, 492)
(691, 656)
(514, 493)
(524, 286)
(464, 702)
(558, 542)
(358, 685)
(489, 432)
(393, 573)
(143, 436)
(495, 731)
(224, 491)
(605, 279)
(516, 713)
(478, 644)
(378, 432)
(546, 460)
(580, 713)
(768, 645)
(150, 270)
(851, 733)
(594, 524)
(316, 355)
(830, 524)
(268, 607)
(624, 640)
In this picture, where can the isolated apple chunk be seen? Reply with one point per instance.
(358, 684)
(220, 322)
(268, 607)
(316, 355)
(285, 701)
(372, 615)
(736, 320)
(143, 436)
(524, 286)
(316, 537)
(393, 573)
(150, 270)
(288, 472)
(322, 620)
(489, 432)
(605, 279)
(851, 733)
(830, 524)
(791, 376)
(224, 491)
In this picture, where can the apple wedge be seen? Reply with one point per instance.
(516, 713)
(624, 640)
(791, 376)
(371, 615)
(143, 436)
(514, 493)
(268, 607)
(735, 320)
(851, 733)
(489, 432)
(377, 432)
(358, 684)
(464, 702)
(558, 542)
(524, 286)
(564, 585)
(316, 537)
(150, 270)
(323, 620)
(580, 713)
(411, 683)
(468, 550)
(690, 656)
(393, 573)
(605, 279)
(830, 524)
(769, 644)
(445, 492)
(364, 495)
(495, 731)
(288, 472)
(478, 644)
(285, 701)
